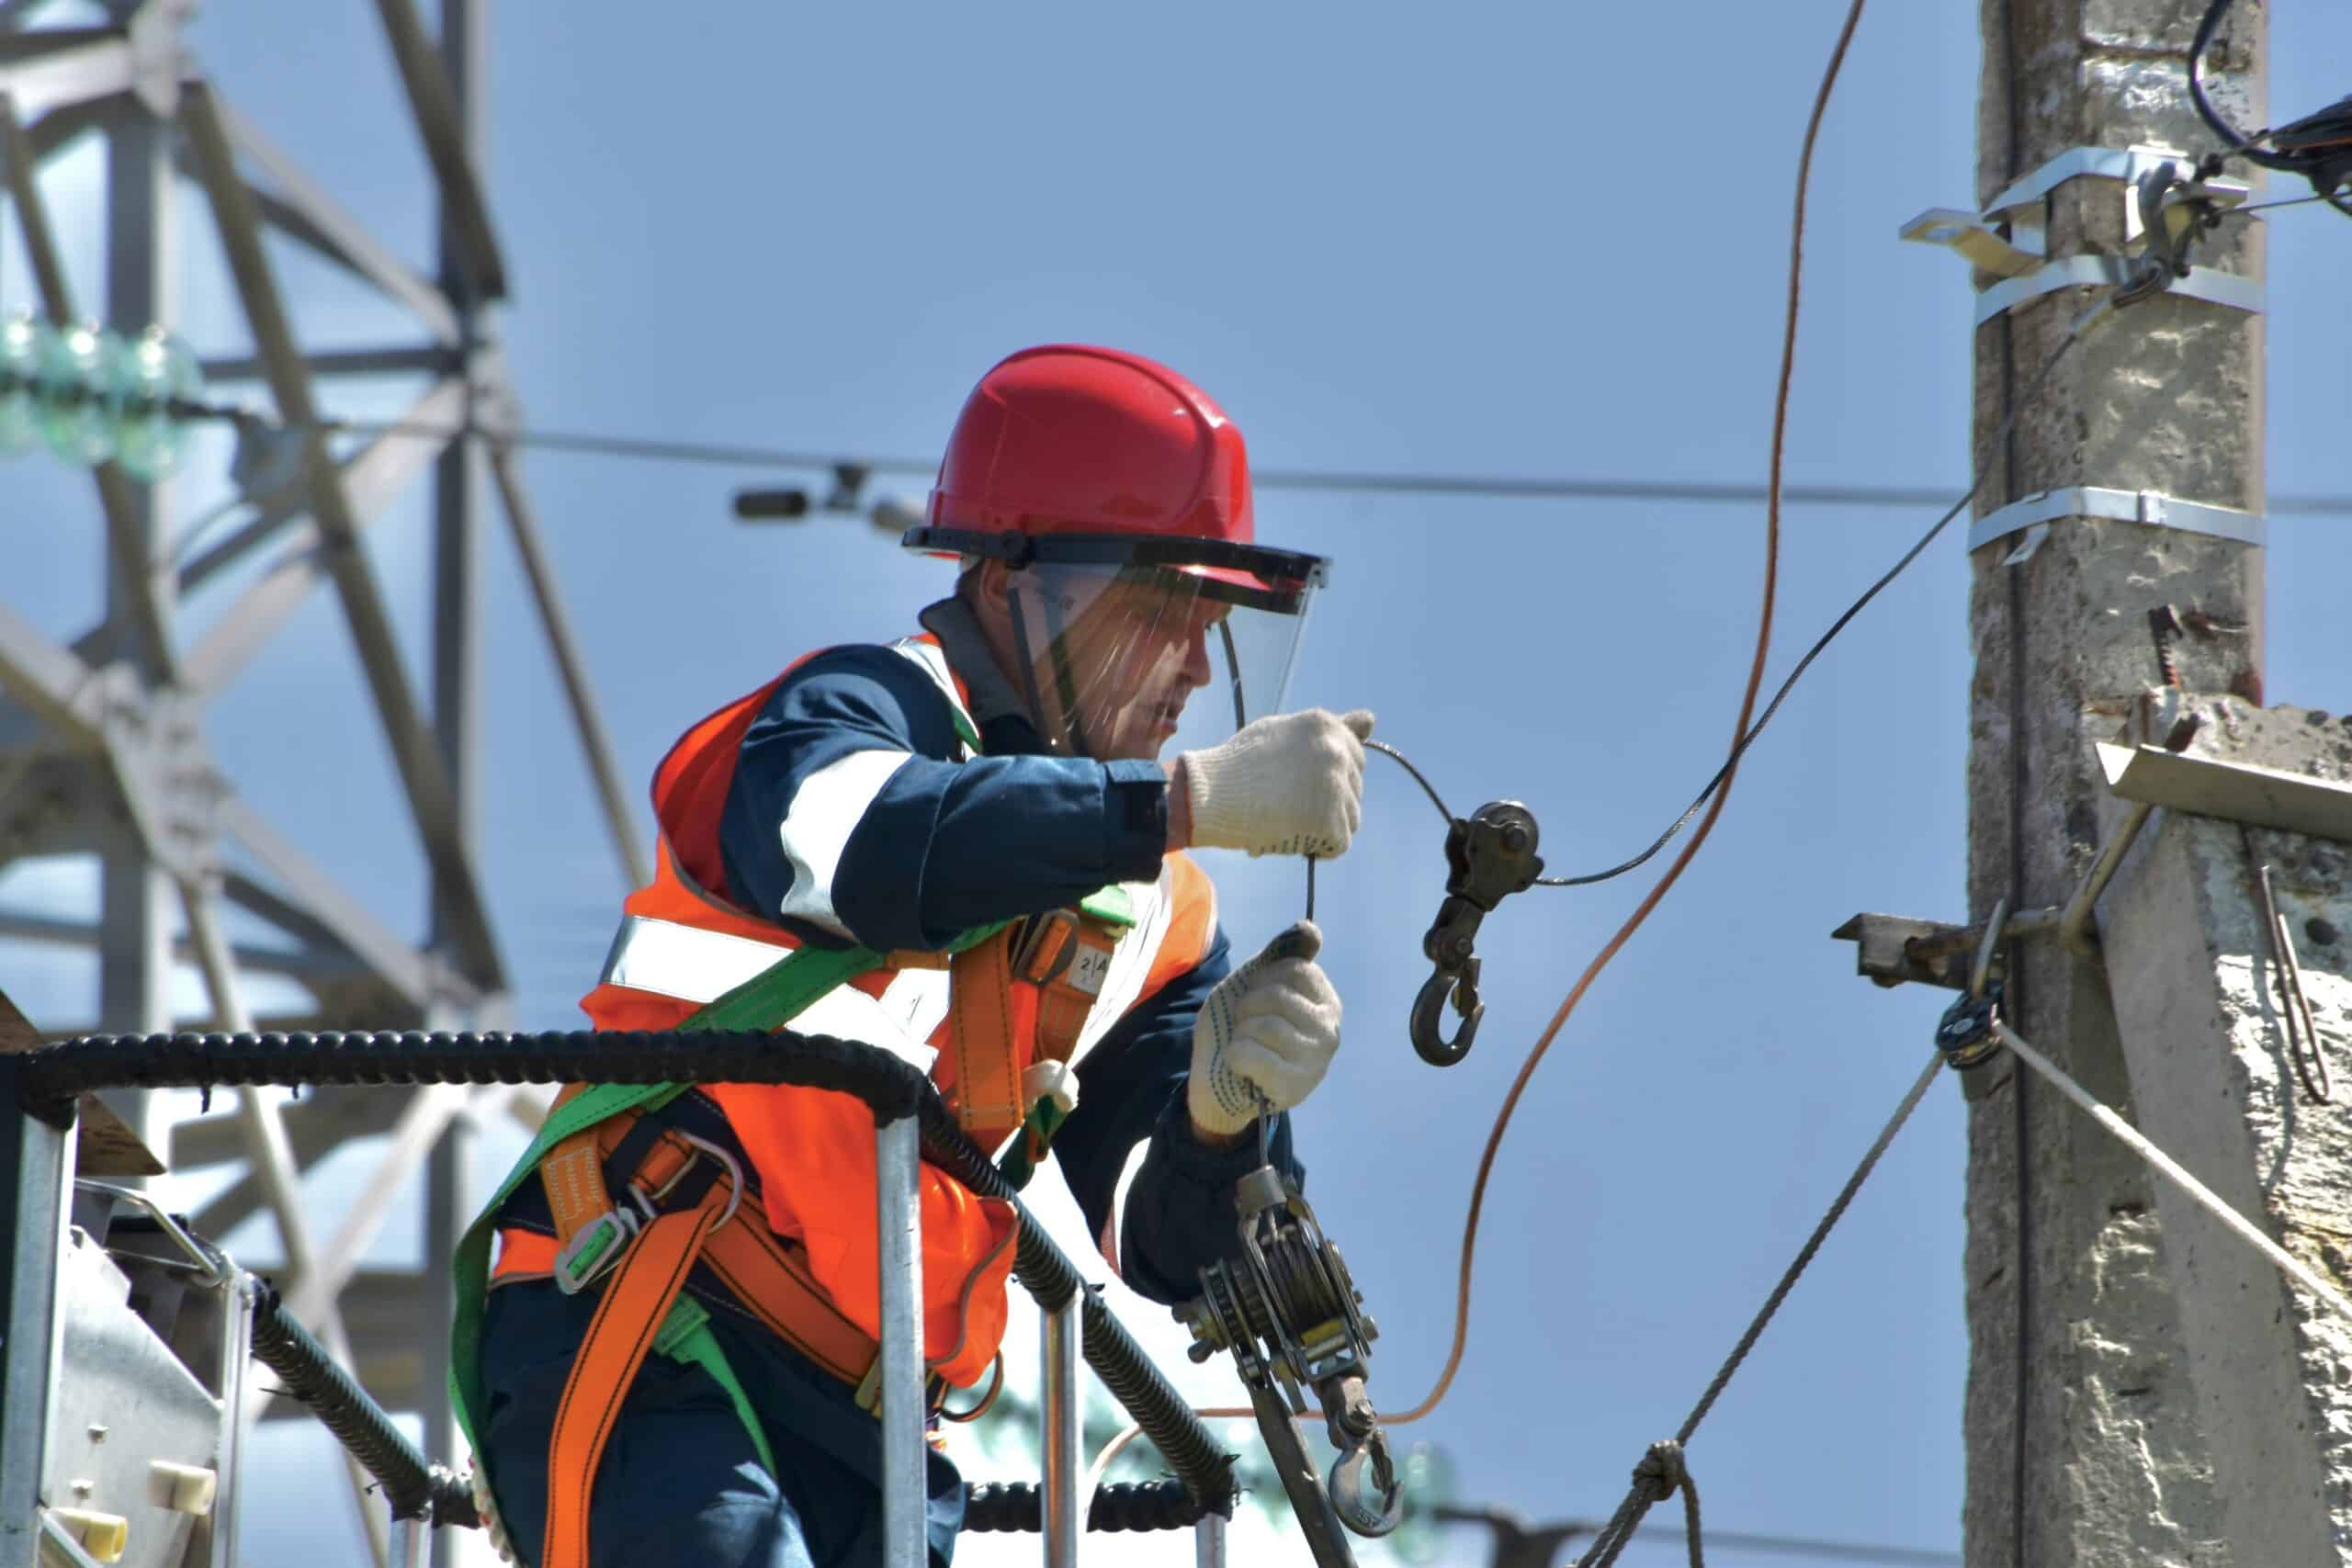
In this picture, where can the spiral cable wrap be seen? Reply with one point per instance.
(1017, 1505)
(50, 1080)
(415, 1489)
(55, 1075)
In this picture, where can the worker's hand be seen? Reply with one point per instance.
(1263, 1037)
(1288, 785)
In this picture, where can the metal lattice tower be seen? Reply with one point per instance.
(102, 748)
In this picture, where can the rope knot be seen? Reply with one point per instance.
(1661, 1475)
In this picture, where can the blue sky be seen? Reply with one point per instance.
(1516, 240)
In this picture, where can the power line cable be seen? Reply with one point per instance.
(1311, 481)
(578, 442)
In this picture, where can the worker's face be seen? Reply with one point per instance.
(1119, 659)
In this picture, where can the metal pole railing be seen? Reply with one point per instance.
(907, 1109)
(1060, 1416)
(898, 1147)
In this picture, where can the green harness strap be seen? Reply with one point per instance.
(782, 991)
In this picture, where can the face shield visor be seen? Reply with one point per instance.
(1140, 648)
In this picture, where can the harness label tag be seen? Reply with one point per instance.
(1088, 969)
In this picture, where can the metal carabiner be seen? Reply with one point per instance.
(1429, 1037)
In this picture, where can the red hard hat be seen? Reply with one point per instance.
(1068, 439)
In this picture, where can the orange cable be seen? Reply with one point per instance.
(1707, 823)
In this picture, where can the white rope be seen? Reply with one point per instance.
(2171, 1169)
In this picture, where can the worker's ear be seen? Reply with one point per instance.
(988, 587)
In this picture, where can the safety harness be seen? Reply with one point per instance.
(681, 1193)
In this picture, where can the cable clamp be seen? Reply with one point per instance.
(2163, 205)
(1965, 1034)
(1968, 1033)
(2146, 507)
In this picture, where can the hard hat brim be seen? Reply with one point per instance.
(1256, 576)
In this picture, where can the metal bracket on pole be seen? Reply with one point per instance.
(2011, 236)
(2038, 511)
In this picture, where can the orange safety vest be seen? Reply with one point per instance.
(997, 1016)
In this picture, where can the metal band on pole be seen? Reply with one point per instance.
(2141, 506)
(898, 1147)
(1060, 1437)
(2209, 284)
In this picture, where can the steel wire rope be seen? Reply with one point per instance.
(1662, 1470)
(1657, 1465)
(2204, 1196)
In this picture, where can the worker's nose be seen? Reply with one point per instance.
(1196, 660)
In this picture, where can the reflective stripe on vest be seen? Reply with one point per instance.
(688, 963)
(932, 662)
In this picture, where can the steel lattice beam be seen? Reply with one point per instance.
(107, 726)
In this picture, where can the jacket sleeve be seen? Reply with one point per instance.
(849, 820)
(1159, 1202)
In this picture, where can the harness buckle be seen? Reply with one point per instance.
(599, 1245)
(594, 1249)
(867, 1395)
(702, 1146)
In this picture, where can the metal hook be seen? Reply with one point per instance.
(1429, 1037)
(1346, 1490)
(1490, 855)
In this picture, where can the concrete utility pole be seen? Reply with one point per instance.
(2082, 1425)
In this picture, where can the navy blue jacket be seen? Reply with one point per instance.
(941, 846)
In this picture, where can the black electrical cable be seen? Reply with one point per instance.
(2318, 147)
(2214, 119)
(1012, 1505)
(416, 1488)
(1984, 471)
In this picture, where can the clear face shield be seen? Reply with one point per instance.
(1146, 658)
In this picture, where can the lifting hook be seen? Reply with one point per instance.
(1489, 855)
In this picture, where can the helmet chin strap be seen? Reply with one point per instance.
(1233, 667)
(1064, 680)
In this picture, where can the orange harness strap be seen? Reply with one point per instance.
(627, 1322)
(1066, 956)
(979, 1036)
(766, 1274)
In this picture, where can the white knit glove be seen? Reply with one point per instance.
(1288, 785)
(1264, 1036)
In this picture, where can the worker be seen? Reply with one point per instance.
(983, 827)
